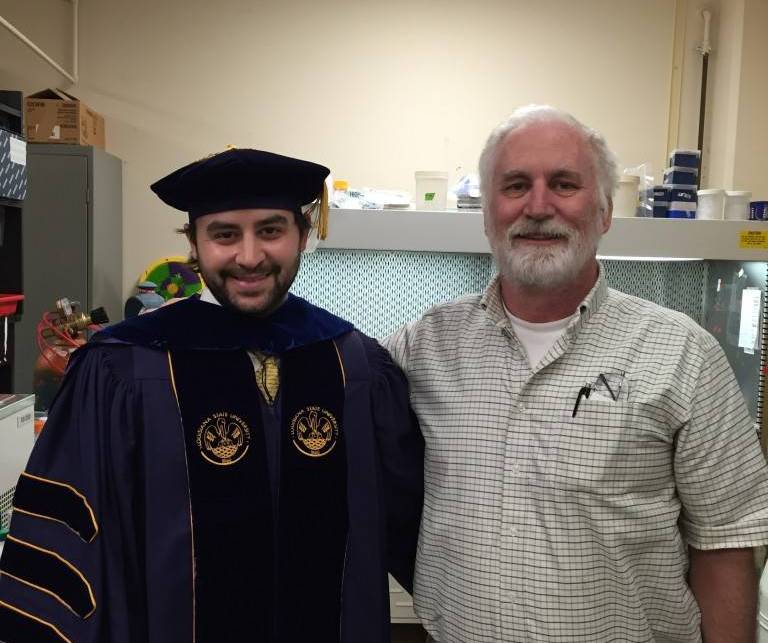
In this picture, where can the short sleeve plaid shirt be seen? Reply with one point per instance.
(543, 526)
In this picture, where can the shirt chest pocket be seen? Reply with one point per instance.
(609, 448)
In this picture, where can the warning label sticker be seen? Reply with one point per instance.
(753, 239)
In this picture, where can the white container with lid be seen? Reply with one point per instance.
(737, 205)
(17, 436)
(710, 204)
(431, 190)
(625, 201)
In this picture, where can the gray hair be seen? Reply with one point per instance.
(606, 166)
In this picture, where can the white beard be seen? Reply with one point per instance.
(544, 267)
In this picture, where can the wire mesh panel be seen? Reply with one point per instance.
(6, 498)
(679, 285)
(380, 290)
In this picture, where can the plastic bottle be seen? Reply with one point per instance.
(340, 193)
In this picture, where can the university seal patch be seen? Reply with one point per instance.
(314, 431)
(223, 438)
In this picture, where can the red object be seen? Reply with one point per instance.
(8, 304)
(55, 344)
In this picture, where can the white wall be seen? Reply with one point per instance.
(723, 93)
(47, 23)
(751, 162)
(375, 90)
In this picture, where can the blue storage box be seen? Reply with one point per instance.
(678, 175)
(681, 210)
(685, 158)
(685, 193)
(758, 210)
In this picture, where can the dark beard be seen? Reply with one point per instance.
(276, 298)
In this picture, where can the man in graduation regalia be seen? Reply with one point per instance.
(238, 467)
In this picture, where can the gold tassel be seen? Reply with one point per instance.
(322, 219)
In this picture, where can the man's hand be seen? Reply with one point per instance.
(724, 582)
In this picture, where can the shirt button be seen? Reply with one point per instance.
(521, 406)
(516, 469)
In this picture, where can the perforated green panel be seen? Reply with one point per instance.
(379, 291)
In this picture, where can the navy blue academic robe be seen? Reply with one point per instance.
(102, 543)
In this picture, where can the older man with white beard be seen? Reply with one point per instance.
(591, 471)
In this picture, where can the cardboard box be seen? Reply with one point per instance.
(53, 116)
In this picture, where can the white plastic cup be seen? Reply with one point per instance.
(710, 204)
(626, 199)
(737, 205)
(431, 190)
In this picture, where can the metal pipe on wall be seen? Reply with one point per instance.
(704, 50)
(73, 77)
(75, 39)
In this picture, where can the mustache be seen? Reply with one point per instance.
(244, 274)
(542, 229)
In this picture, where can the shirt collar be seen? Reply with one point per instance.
(595, 297)
(492, 304)
(207, 296)
(491, 301)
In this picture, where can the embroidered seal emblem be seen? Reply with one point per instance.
(314, 431)
(223, 438)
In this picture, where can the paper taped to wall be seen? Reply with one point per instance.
(749, 325)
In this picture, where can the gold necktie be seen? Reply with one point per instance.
(268, 379)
